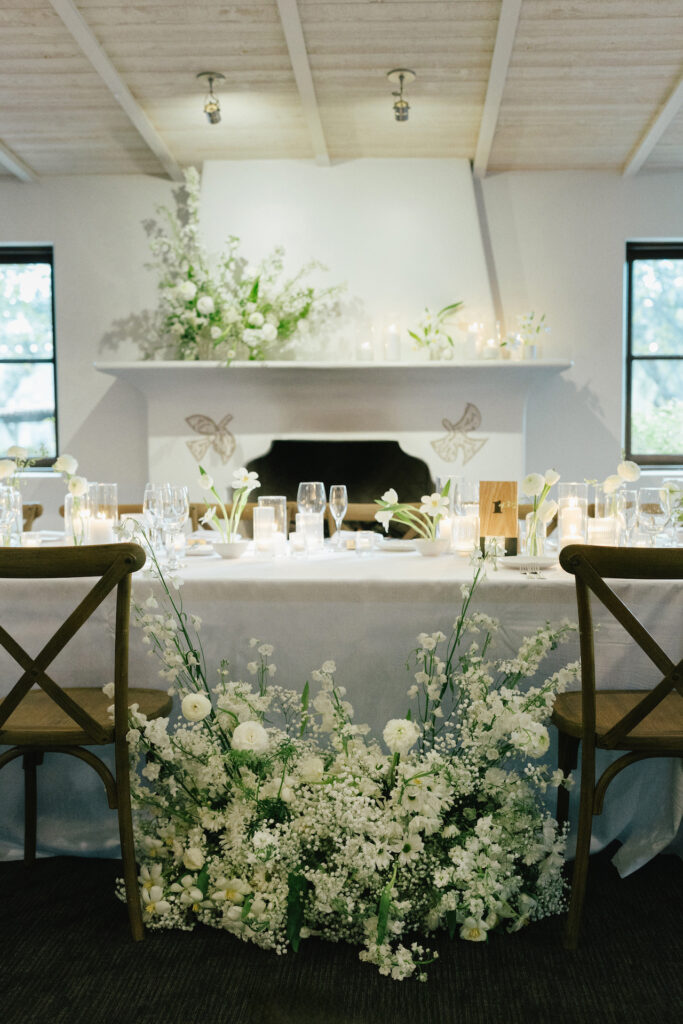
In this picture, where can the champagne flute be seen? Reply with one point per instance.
(627, 510)
(339, 503)
(175, 509)
(152, 508)
(653, 513)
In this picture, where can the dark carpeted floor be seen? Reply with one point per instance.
(66, 957)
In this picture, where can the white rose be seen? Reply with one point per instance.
(269, 332)
(78, 486)
(65, 464)
(250, 736)
(195, 707)
(187, 291)
(205, 305)
(17, 452)
(628, 471)
(533, 484)
(7, 467)
(551, 477)
(256, 319)
(612, 483)
(193, 859)
(400, 734)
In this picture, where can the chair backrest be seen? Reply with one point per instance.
(592, 566)
(124, 510)
(113, 565)
(30, 513)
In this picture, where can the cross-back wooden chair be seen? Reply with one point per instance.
(39, 716)
(641, 723)
(30, 513)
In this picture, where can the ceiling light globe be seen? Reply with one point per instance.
(401, 110)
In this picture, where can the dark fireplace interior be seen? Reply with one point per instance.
(368, 468)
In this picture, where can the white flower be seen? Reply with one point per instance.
(230, 890)
(17, 452)
(256, 319)
(400, 734)
(65, 464)
(390, 497)
(250, 736)
(7, 468)
(205, 481)
(187, 291)
(311, 769)
(195, 707)
(434, 504)
(108, 690)
(243, 478)
(533, 484)
(612, 483)
(384, 516)
(153, 901)
(193, 858)
(551, 477)
(215, 332)
(249, 272)
(205, 305)
(329, 667)
(547, 510)
(269, 332)
(474, 930)
(628, 471)
(78, 486)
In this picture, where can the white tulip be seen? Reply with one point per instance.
(551, 477)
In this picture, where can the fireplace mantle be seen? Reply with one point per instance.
(462, 418)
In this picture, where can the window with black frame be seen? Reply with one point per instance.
(28, 406)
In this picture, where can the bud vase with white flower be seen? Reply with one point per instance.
(424, 520)
(537, 487)
(226, 524)
(76, 503)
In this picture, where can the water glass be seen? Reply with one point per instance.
(278, 503)
(152, 507)
(653, 512)
(175, 509)
(264, 528)
(339, 503)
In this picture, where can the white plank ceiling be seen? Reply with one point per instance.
(109, 87)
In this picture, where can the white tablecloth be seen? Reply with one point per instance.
(365, 613)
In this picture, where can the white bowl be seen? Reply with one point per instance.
(233, 549)
(430, 548)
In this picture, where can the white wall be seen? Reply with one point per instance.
(399, 234)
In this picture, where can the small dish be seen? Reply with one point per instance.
(233, 549)
(528, 563)
(431, 548)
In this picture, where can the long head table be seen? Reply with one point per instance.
(364, 612)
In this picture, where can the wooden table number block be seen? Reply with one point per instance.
(498, 511)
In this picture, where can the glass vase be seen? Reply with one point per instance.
(534, 537)
(76, 519)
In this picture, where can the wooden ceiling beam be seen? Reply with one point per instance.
(655, 131)
(15, 165)
(84, 36)
(298, 55)
(500, 62)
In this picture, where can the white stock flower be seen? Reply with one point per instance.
(205, 305)
(250, 736)
(612, 483)
(400, 734)
(78, 486)
(193, 858)
(195, 707)
(7, 468)
(390, 497)
(628, 471)
(65, 464)
(533, 484)
(17, 452)
(551, 477)
(187, 291)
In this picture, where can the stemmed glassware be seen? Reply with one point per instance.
(627, 511)
(175, 509)
(152, 508)
(653, 512)
(339, 503)
(311, 497)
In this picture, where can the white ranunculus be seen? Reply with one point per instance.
(628, 471)
(400, 734)
(17, 452)
(65, 464)
(193, 858)
(7, 467)
(256, 319)
(390, 497)
(533, 484)
(269, 332)
(551, 477)
(612, 483)
(187, 291)
(250, 736)
(195, 707)
(205, 305)
(78, 486)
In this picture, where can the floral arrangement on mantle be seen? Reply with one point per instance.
(235, 310)
(268, 812)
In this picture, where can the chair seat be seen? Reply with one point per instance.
(38, 721)
(660, 730)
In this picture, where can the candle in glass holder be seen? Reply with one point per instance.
(465, 533)
(264, 528)
(444, 529)
(573, 509)
(30, 540)
(602, 530)
(311, 526)
(100, 530)
(365, 541)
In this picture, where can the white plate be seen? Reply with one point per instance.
(199, 550)
(396, 544)
(522, 562)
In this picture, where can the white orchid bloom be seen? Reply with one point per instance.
(154, 902)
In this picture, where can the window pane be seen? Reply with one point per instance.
(26, 311)
(657, 311)
(657, 407)
(27, 407)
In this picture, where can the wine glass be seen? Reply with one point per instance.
(653, 512)
(311, 497)
(627, 510)
(175, 509)
(152, 508)
(339, 502)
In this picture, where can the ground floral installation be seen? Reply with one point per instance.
(267, 812)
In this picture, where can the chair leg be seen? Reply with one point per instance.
(130, 871)
(583, 843)
(567, 759)
(30, 764)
